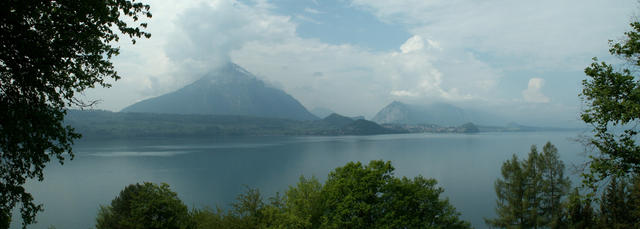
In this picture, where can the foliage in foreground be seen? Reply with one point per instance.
(620, 204)
(530, 191)
(354, 196)
(144, 206)
(612, 101)
(51, 50)
(534, 193)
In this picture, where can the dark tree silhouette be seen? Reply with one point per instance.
(49, 51)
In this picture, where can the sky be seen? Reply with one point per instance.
(521, 59)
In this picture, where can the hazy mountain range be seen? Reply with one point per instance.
(232, 101)
(231, 90)
(437, 113)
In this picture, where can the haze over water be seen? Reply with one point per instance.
(213, 171)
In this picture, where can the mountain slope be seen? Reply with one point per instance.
(439, 113)
(321, 112)
(228, 91)
(337, 120)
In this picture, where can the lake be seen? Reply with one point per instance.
(212, 171)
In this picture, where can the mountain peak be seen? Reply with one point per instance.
(228, 74)
(229, 90)
(232, 69)
(239, 69)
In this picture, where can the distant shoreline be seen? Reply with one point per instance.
(97, 124)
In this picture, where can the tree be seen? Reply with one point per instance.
(579, 212)
(144, 206)
(300, 207)
(247, 210)
(358, 196)
(634, 202)
(612, 99)
(614, 209)
(351, 192)
(354, 196)
(303, 203)
(555, 185)
(49, 51)
(530, 191)
(207, 218)
(533, 183)
(416, 203)
(510, 192)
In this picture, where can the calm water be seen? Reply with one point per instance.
(213, 171)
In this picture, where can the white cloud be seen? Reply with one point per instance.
(533, 94)
(403, 93)
(207, 33)
(547, 34)
(414, 43)
(434, 44)
(355, 80)
(312, 11)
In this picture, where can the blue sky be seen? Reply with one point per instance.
(338, 22)
(522, 59)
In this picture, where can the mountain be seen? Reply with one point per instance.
(229, 91)
(321, 112)
(469, 128)
(438, 113)
(337, 120)
(96, 124)
(364, 127)
(358, 117)
(336, 124)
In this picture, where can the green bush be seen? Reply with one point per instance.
(144, 206)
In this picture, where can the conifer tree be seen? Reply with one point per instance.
(614, 211)
(530, 192)
(579, 212)
(634, 202)
(555, 185)
(510, 191)
(533, 195)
